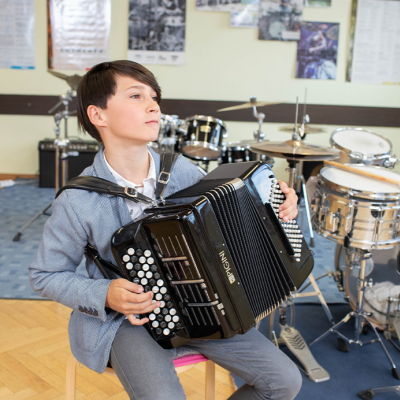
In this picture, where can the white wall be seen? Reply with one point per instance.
(222, 63)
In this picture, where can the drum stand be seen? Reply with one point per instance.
(59, 143)
(290, 336)
(357, 258)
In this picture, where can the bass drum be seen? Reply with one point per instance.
(381, 267)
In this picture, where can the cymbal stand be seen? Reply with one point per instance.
(357, 258)
(59, 143)
(290, 336)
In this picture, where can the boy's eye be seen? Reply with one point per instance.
(135, 96)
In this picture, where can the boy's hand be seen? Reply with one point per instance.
(129, 299)
(288, 210)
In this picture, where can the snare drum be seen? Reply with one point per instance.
(239, 151)
(357, 211)
(203, 138)
(360, 146)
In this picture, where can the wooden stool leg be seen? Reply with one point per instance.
(70, 392)
(210, 380)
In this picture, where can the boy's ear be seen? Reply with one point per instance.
(95, 115)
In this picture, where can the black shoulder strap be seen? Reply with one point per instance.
(167, 162)
(100, 185)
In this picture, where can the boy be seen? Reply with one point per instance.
(118, 104)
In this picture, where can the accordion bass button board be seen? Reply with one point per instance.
(215, 254)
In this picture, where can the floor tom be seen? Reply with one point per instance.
(239, 151)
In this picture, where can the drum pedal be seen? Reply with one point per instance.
(342, 345)
(297, 345)
(366, 394)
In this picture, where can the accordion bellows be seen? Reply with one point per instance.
(222, 257)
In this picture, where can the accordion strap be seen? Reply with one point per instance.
(167, 162)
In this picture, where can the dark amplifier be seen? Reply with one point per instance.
(80, 155)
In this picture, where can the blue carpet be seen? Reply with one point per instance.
(19, 204)
(350, 373)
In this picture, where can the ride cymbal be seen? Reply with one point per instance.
(295, 150)
(72, 80)
(249, 105)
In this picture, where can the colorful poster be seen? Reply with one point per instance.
(374, 45)
(247, 17)
(17, 34)
(280, 19)
(317, 50)
(157, 31)
(79, 33)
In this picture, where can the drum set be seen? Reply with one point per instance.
(201, 138)
(357, 208)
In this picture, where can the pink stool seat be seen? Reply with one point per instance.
(191, 359)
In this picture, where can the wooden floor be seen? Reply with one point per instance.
(34, 350)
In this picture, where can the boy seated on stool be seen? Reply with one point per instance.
(119, 106)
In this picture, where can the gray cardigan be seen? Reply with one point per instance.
(79, 217)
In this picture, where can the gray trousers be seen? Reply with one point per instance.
(147, 372)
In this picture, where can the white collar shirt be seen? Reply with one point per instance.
(136, 210)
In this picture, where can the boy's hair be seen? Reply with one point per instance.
(99, 84)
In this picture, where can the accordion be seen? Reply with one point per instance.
(215, 255)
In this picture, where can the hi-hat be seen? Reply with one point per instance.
(72, 80)
(250, 104)
(308, 129)
(296, 150)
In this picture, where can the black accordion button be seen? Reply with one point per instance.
(136, 280)
(139, 252)
(163, 324)
(157, 275)
(165, 311)
(138, 266)
(147, 289)
(152, 282)
(169, 304)
(178, 325)
(134, 259)
(132, 273)
(167, 297)
(160, 317)
(153, 268)
(159, 331)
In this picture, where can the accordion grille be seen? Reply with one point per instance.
(265, 279)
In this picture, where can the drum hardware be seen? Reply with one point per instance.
(288, 334)
(357, 258)
(59, 143)
(361, 146)
(169, 134)
(390, 321)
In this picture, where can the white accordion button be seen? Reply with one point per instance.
(150, 260)
(166, 331)
(171, 325)
(155, 324)
(149, 274)
(163, 290)
(147, 253)
(157, 310)
(126, 258)
(175, 318)
(142, 260)
(160, 282)
(131, 251)
(129, 265)
(144, 281)
(167, 318)
(152, 317)
(158, 296)
(145, 267)
(155, 289)
(172, 311)
(140, 274)
(162, 305)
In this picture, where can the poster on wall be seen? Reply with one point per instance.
(280, 19)
(317, 50)
(157, 31)
(79, 33)
(221, 5)
(374, 45)
(317, 3)
(17, 34)
(247, 16)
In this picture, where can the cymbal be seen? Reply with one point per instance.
(249, 105)
(72, 80)
(308, 129)
(295, 150)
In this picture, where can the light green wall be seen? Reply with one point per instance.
(222, 63)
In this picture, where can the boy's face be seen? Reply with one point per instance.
(132, 113)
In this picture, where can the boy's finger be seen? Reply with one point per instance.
(136, 321)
